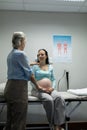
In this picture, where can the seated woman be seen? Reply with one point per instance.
(52, 102)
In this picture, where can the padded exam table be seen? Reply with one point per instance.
(68, 96)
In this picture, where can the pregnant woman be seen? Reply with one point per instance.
(54, 105)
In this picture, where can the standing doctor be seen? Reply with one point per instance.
(16, 90)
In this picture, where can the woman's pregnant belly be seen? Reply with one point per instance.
(45, 83)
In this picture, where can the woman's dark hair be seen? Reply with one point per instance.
(46, 53)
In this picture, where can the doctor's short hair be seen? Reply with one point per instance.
(17, 38)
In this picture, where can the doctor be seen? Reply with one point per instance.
(16, 90)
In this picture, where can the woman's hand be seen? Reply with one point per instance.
(46, 90)
(49, 90)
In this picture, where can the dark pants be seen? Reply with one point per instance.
(17, 101)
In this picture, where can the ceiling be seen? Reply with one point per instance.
(44, 5)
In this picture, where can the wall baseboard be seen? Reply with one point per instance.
(71, 126)
(77, 126)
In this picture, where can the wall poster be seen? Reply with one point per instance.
(62, 48)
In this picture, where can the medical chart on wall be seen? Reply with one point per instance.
(62, 48)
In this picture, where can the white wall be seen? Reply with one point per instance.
(39, 29)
